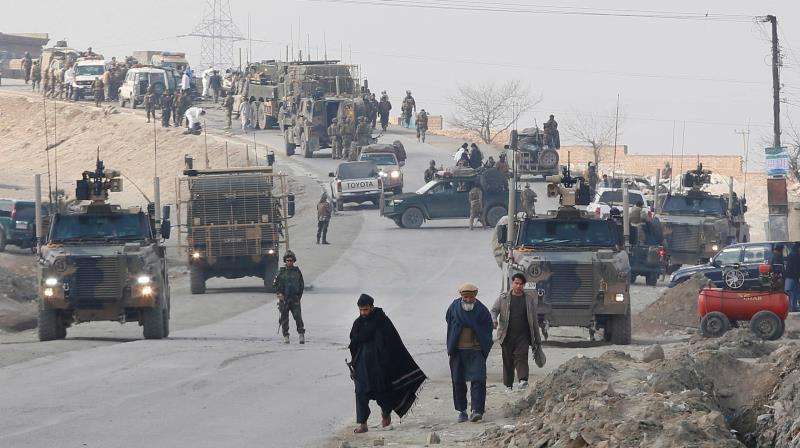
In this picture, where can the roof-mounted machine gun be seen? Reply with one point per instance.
(695, 179)
(95, 185)
(572, 190)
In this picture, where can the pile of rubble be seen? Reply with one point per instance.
(703, 394)
(17, 293)
(675, 310)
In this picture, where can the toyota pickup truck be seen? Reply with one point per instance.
(357, 182)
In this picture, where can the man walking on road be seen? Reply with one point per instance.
(469, 341)
(289, 287)
(475, 205)
(97, 90)
(324, 210)
(514, 316)
(529, 200)
(166, 108)
(381, 366)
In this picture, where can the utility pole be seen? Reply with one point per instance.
(776, 186)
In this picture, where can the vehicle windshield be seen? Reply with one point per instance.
(694, 205)
(568, 233)
(128, 227)
(26, 211)
(424, 189)
(380, 159)
(357, 170)
(615, 197)
(89, 70)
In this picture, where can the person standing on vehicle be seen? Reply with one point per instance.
(430, 173)
(289, 287)
(166, 108)
(475, 157)
(227, 104)
(792, 277)
(475, 205)
(517, 323)
(381, 367)
(324, 211)
(469, 341)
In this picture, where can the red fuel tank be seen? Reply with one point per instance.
(742, 305)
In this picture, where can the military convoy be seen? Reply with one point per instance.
(697, 224)
(103, 262)
(235, 222)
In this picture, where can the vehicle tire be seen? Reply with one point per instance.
(3, 241)
(651, 279)
(197, 280)
(620, 327)
(767, 325)
(270, 270)
(339, 205)
(50, 325)
(153, 322)
(399, 222)
(494, 214)
(714, 324)
(733, 278)
(412, 218)
(548, 158)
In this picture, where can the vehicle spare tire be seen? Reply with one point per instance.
(548, 158)
(493, 180)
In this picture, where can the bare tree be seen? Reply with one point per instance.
(793, 148)
(489, 109)
(596, 131)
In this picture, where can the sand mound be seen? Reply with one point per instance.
(676, 309)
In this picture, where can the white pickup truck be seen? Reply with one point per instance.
(357, 182)
(606, 197)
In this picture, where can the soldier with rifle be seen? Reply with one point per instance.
(289, 287)
(409, 107)
(334, 134)
(422, 125)
(383, 110)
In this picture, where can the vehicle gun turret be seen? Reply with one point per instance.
(572, 190)
(695, 179)
(95, 185)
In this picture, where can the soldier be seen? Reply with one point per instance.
(227, 103)
(373, 110)
(45, 79)
(475, 205)
(475, 157)
(185, 104)
(422, 125)
(36, 76)
(166, 108)
(176, 105)
(150, 103)
(324, 211)
(27, 63)
(289, 287)
(215, 83)
(593, 179)
(383, 110)
(97, 91)
(363, 132)
(667, 171)
(336, 139)
(551, 136)
(409, 107)
(347, 135)
(529, 200)
(502, 165)
(430, 173)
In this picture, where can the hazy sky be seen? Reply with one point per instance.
(713, 74)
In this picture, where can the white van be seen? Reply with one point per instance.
(86, 71)
(139, 79)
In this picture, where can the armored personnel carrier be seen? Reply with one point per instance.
(236, 222)
(314, 93)
(262, 83)
(103, 262)
(576, 263)
(535, 155)
(697, 224)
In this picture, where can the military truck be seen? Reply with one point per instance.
(262, 83)
(314, 93)
(104, 262)
(574, 262)
(697, 224)
(236, 222)
(535, 156)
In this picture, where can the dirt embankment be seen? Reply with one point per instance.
(17, 291)
(76, 131)
(675, 310)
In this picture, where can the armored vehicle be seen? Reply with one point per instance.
(103, 262)
(574, 262)
(535, 155)
(262, 83)
(697, 224)
(314, 93)
(236, 222)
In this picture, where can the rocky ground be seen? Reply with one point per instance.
(17, 290)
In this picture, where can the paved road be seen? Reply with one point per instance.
(230, 381)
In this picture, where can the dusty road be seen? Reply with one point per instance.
(224, 378)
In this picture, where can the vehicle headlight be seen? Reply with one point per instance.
(48, 292)
(396, 201)
(195, 255)
(619, 297)
(714, 247)
(147, 290)
(51, 281)
(271, 251)
(395, 174)
(143, 279)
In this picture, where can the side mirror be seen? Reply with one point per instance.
(290, 205)
(271, 158)
(331, 175)
(502, 234)
(166, 228)
(402, 163)
(165, 212)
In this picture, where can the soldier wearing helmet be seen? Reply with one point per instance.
(289, 287)
(430, 173)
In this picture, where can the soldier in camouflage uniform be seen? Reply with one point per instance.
(363, 132)
(529, 200)
(36, 76)
(166, 108)
(289, 290)
(346, 132)
(97, 91)
(227, 104)
(45, 75)
(150, 103)
(475, 205)
(422, 125)
(336, 139)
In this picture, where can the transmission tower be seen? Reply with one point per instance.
(218, 33)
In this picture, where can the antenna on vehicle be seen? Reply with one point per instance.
(134, 186)
(47, 150)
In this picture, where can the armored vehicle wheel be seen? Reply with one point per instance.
(270, 270)
(51, 326)
(767, 325)
(714, 324)
(548, 158)
(494, 214)
(197, 280)
(3, 241)
(412, 218)
(620, 328)
(153, 323)
(651, 279)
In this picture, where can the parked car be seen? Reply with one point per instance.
(17, 224)
(744, 257)
(139, 79)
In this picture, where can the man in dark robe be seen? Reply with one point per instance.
(469, 341)
(382, 368)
